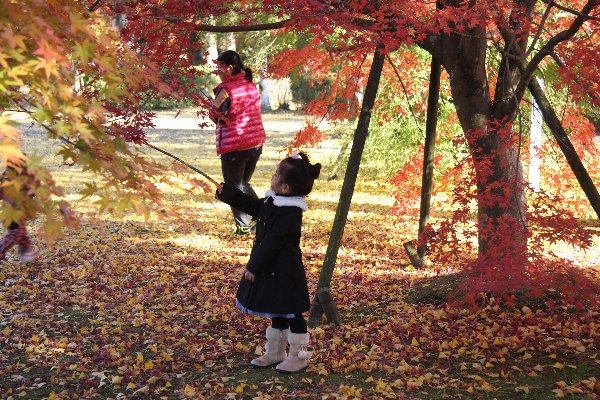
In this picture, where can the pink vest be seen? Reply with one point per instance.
(243, 129)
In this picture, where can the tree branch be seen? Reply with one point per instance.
(361, 22)
(96, 5)
(569, 10)
(242, 28)
(389, 60)
(549, 47)
(183, 162)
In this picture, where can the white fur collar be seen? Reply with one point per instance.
(280, 201)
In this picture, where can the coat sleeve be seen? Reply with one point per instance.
(239, 200)
(285, 229)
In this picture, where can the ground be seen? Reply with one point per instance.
(143, 309)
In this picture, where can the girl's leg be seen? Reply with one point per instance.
(298, 356)
(280, 323)
(26, 251)
(298, 324)
(9, 240)
(22, 238)
(277, 335)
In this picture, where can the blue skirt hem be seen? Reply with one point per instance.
(260, 314)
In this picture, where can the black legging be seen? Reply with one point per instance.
(238, 168)
(296, 324)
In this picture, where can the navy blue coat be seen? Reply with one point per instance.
(280, 284)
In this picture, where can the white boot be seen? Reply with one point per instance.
(298, 356)
(274, 349)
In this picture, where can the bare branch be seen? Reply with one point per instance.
(243, 28)
(569, 10)
(96, 5)
(361, 22)
(389, 60)
(539, 30)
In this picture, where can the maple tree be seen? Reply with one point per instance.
(70, 72)
(141, 309)
(489, 52)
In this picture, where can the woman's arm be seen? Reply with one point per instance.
(221, 105)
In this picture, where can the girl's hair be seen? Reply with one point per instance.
(299, 174)
(234, 60)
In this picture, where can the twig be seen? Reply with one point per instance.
(69, 141)
(183, 162)
(389, 60)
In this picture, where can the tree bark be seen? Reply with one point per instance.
(341, 214)
(584, 179)
(429, 152)
(535, 139)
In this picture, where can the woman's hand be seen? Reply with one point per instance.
(249, 275)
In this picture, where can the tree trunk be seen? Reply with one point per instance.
(265, 102)
(535, 139)
(429, 152)
(501, 197)
(230, 40)
(341, 214)
(584, 179)
(211, 49)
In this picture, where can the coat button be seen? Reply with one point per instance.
(272, 273)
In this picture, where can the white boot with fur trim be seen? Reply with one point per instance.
(274, 349)
(298, 356)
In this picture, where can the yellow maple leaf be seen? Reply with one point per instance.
(524, 389)
(189, 391)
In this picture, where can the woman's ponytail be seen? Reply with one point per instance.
(248, 73)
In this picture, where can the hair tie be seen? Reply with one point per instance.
(295, 155)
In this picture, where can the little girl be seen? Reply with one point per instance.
(274, 283)
(17, 232)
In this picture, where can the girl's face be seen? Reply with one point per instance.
(277, 184)
(223, 71)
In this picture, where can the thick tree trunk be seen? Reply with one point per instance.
(341, 214)
(502, 224)
(500, 187)
(211, 49)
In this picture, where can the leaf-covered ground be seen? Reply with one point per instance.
(136, 309)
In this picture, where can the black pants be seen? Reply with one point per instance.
(238, 168)
(296, 324)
